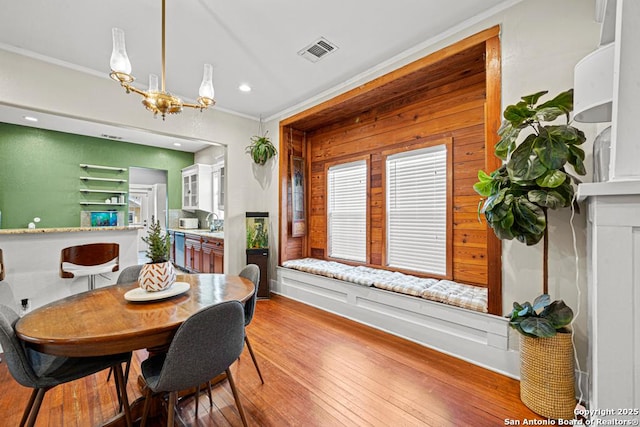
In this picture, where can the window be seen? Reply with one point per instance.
(416, 191)
(347, 211)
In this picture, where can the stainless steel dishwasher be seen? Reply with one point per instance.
(179, 242)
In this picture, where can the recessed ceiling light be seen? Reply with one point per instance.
(244, 87)
(30, 118)
(177, 144)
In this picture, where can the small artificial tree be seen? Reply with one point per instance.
(158, 244)
(533, 177)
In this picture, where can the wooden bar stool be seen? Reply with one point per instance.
(89, 260)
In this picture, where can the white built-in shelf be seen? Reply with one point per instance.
(108, 168)
(90, 178)
(102, 203)
(86, 190)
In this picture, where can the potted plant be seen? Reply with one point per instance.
(547, 383)
(261, 149)
(159, 273)
(532, 179)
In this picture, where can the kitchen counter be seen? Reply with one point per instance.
(32, 259)
(199, 232)
(66, 229)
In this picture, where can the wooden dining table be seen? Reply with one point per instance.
(101, 321)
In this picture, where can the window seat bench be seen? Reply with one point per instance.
(446, 291)
(421, 310)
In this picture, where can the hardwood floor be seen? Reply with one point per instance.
(319, 370)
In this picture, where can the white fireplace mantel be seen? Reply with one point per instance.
(614, 293)
(612, 188)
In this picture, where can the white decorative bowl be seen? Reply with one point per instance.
(156, 277)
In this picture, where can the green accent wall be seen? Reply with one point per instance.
(40, 174)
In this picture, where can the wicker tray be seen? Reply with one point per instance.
(547, 383)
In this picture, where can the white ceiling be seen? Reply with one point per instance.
(247, 41)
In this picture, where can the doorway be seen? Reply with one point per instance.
(147, 200)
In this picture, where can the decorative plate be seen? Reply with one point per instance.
(140, 295)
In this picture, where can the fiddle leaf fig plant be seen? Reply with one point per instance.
(533, 176)
(261, 149)
(541, 319)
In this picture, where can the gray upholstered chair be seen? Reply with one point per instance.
(6, 294)
(204, 346)
(42, 372)
(129, 274)
(251, 272)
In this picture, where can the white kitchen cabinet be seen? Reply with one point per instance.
(196, 188)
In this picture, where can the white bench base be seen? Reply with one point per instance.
(479, 338)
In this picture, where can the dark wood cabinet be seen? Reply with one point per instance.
(212, 255)
(260, 257)
(193, 253)
(218, 258)
(204, 254)
(207, 256)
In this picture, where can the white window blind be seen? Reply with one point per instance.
(347, 211)
(417, 210)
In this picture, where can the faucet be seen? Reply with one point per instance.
(212, 225)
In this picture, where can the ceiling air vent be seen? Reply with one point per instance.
(318, 50)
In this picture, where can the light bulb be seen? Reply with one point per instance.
(119, 61)
(153, 83)
(206, 87)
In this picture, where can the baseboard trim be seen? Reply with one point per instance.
(479, 338)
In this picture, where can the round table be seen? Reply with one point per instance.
(101, 321)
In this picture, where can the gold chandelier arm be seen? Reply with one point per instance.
(186, 104)
(134, 89)
(201, 105)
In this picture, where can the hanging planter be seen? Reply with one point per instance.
(261, 149)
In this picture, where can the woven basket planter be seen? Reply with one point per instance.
(156, 277)
(547, 383)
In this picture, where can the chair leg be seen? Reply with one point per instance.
(127, 368)
(197, 399)
(146, 407)
(124, 399)
(27, 409)
(171, 409)
(209, 393)
(236, 397)
(253, 357)
(126, 372)
(36, 407)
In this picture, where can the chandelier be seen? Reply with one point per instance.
(157, 101)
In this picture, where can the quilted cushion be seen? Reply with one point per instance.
(445, 291)
(465, 296)
(405, 284)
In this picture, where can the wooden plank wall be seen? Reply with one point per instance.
(450, 104)
(292, 144)
(457, 111)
